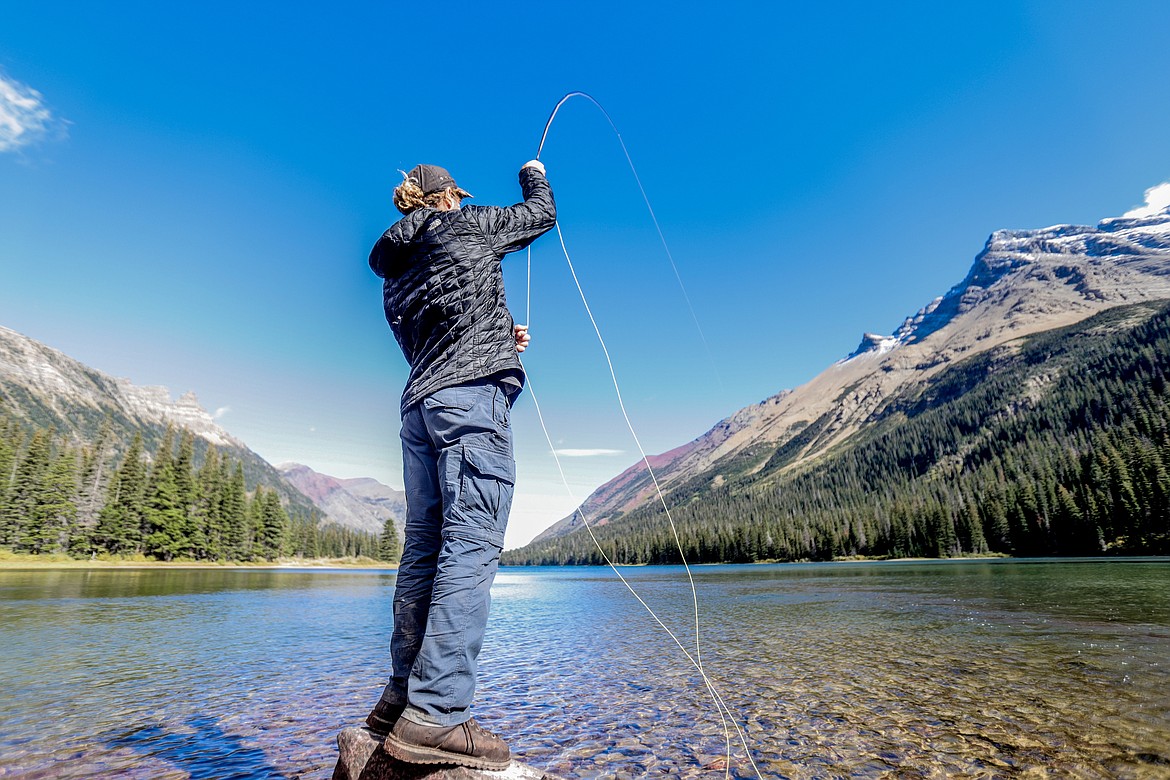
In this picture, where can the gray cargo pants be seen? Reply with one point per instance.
(460, 473)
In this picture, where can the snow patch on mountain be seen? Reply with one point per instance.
(1010, 251)
(874, 344)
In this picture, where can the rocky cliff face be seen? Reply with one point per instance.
(47, 387)
(363, 504)
(1023, 282)
(1118, 261)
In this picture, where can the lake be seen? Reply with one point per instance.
(995, 668)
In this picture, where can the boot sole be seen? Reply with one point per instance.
(420, 754)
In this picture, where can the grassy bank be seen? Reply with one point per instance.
(11, 560)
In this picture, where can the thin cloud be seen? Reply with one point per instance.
(24, 117)
(1157, 200)
(573, 453)
(221, 411)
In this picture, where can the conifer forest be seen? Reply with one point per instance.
(1055, 445)
(85, 500)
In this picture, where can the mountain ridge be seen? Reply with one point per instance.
(50, 377)
(1022, 282)
(1057, 443)
(361, 503)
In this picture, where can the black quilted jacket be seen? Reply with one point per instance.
(443, 287)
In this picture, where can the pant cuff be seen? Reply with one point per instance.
(393, 696)
(424, 718)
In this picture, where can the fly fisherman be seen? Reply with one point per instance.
(443, 292)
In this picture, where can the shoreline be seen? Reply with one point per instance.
(12, 561)
(987, 557)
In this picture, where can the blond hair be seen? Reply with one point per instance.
(408, 196)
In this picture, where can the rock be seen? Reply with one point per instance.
(362, 758)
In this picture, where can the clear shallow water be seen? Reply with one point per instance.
(954, 669)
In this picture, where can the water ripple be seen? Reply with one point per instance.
(907, 671)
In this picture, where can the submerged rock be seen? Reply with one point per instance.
(362, 758)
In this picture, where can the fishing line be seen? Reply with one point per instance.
(696, 660)
(649, 208)
(720, 706)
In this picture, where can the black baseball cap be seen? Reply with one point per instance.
(431, 178)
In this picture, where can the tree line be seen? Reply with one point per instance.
(1060, 447)
(84, 500)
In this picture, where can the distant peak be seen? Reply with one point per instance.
(1010, 254)
(874, 343)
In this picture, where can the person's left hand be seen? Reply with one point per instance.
(520, 333)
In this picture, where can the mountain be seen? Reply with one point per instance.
(1023, 283)
(45, 388)
(363, 504)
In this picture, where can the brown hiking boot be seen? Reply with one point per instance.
(384, 716)
(466, 744)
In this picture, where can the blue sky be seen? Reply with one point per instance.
(188, 192)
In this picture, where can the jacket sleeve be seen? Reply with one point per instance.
(387, 253)
(376, 259)
(515, 227)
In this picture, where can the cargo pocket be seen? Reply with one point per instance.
(449, 398)
(487, 482)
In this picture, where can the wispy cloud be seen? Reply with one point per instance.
(221, 411)
(572, 453)
(1157, 199)
(24, 117)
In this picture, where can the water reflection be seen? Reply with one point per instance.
(844, 670)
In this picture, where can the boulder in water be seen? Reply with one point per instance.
(362, 757)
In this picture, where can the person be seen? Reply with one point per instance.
(443, 294)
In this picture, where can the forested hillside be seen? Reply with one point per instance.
(178, 501)
(1056, 444)
(42, 388)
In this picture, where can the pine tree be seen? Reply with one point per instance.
(56, 510)
(309, 540)
(24, 522)
(234, 508)
(272, 522)
(92, 487)
(970, 528)
(11, 442)
(209, 508)
(187, 492)
(119, 526)
(165, 518)
(388, 547)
